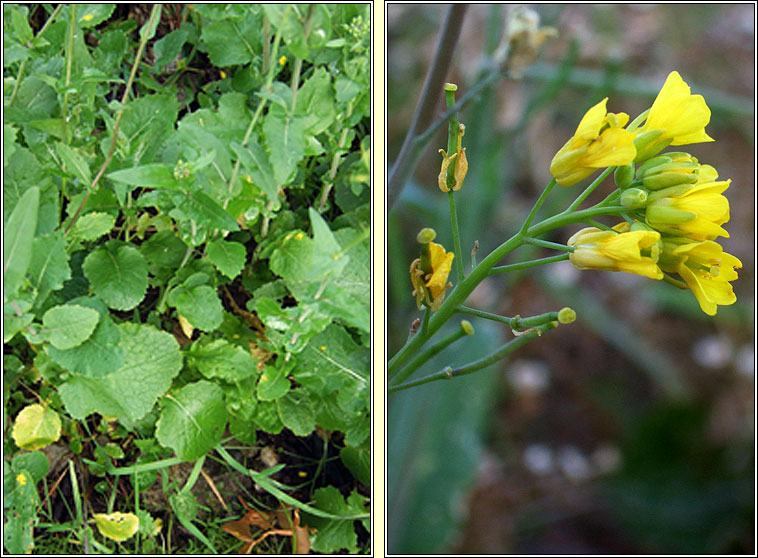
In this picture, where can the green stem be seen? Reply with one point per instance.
(429, 353)
(537, 205)
(547, 244)
(69, 61)
(516, 322)
(456, 236)
(595, 183)
(449, 373)
(452, 147)
(530, 263)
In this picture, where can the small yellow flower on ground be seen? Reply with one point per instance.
(599, 141)
(706, 269)
(679, 115)
(693, 210)
(617, 250)
(430, 287)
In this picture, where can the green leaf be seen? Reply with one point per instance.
(35, 462)
(228, 257)
(15, 318)
(229, 42)
(192, 420)
(296, 411)
(21, 27)
(93, 225)
(333, 536)
(346, 89)
(22, 174)
(22, 499)
(74, 163)
(258, 168)
(285, 18)
(204, 210)
(163, 250)
(90, 15)
(358, 461)
(69, 325)
(154, 175)
(151, 359)
(36, 427)
(100, 354)
(19, 234)
(285, 137)
(315, 99)
(146, 124)
(221, 359)
(273, 382)
(199, 304)
(118, 274)
(116, 526)
(168, 48)
(49, 267)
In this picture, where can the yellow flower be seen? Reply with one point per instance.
(430, 287)
(617, 250)
(693, 210)
(676, 118)
(706, 269)
(21, 479)
(461, 166)
(599, 141)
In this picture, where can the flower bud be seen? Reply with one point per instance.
(566, 315)
(624, 175)
(634, 198)
(670, 174)
(649, 143)
(468, 329)
(426, 235)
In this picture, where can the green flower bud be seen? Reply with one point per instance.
(665, 215)
(468, 329)
(649, 143)
(624, 175)
(426, 235)
(634, 198)
(566, 315)
(654, 162)
(670, 174)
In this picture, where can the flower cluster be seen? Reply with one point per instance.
(676, 207)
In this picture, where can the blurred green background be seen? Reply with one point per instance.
(631, 430)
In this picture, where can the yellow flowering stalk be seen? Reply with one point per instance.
(706, 269)
(429, 288)
(620, 249)
(695, 210)
(676, 118)
(600, 141)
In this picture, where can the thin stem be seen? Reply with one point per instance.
(595, 183)
(452, 147)
(547, 244)
(69, 61)
(537, 205)
(527, 265)
(566, 218)
(155, 13)
(410, 151)
(449, 373)
(456, 236)
(427, 354)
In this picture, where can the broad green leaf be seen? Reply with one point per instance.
(204, 210)
(273, 382)
(267, 417)
(49, 267)
(110, 51)
(163, 249)
(116, 526)
(199, 304)
(358, 461)
(288, 19)
(74, 163)
(147, 122)
(19, 234)
(23, 173)
(15, 318)
(332, 535)
(296, 411)
(346, 89)
(69, 325)
(90, 15)
(21, 27)
(184, 505)
(100, 354)
(93, 225)
(220, 359)
(258, 170)
(192, 420)
(151, 360)
(315, 99)
(36, 462)
(22, 500)
(169, 46)
(285, 137)
(9, 142)
(118, 274)
(36, 427)
(228, 257)
(154, 175)
(230, 42)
